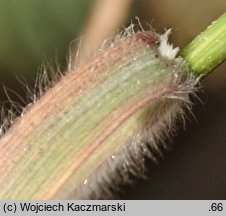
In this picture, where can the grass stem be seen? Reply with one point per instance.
(208, 49)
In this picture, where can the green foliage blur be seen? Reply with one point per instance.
(37, 31)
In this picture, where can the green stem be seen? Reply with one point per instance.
(208, 49)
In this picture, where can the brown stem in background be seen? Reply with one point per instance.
(107, 16)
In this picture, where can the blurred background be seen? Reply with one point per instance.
(37, 32)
